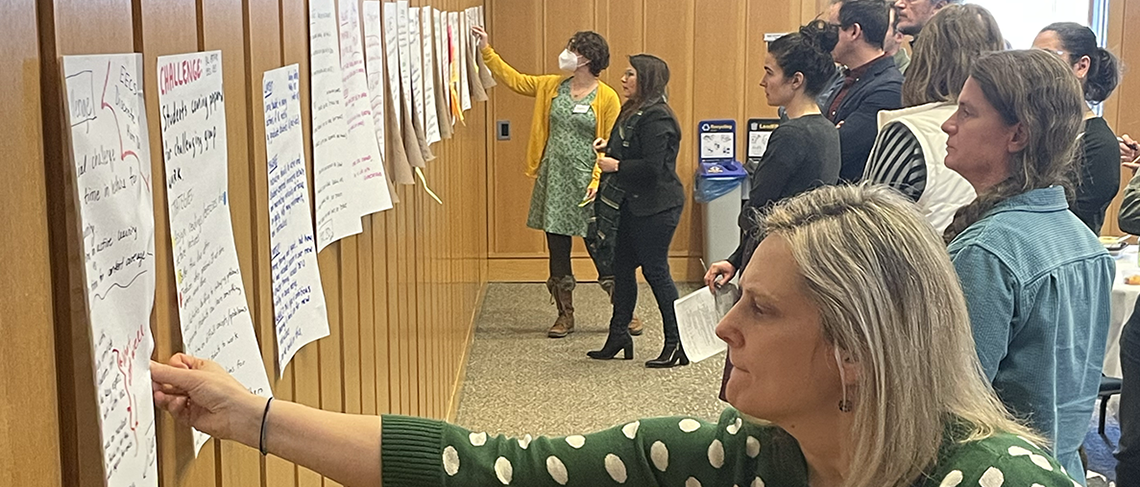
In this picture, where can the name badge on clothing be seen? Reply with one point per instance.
(581, 108)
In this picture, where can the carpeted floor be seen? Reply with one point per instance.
(521, 382)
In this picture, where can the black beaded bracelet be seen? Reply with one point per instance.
(261, 445)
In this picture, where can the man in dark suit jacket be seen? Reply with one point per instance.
(871, 82)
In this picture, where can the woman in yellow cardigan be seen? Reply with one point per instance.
(570, 112)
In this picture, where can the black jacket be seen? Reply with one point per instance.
(880, 88)
(645, 145)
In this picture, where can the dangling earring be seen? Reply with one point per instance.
(844, 403)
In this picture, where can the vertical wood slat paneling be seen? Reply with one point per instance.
(28, 400)
(399, 296)
(1125, 43)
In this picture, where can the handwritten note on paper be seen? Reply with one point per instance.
(443, 71)
(415, 47)
(338, 204)
(367, 162)
(392, 53)
(300, 316)
(430, 112)
(212, 307)
(111, 150)
(405, 56)
(374, 67)
(463, 44)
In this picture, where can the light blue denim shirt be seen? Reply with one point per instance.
(1038, 285)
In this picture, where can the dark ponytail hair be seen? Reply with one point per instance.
(808, 52)
(1104, 69)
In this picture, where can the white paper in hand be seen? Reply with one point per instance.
(697, 316)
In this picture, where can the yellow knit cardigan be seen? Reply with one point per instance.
(544, 89)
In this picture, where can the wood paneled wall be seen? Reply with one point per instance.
(29, 426)
(1120, 110)
(715, 50)
(401, 295)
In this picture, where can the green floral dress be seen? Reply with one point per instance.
(567, 166)
(674, 451)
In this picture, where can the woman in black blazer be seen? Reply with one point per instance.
(641, 189)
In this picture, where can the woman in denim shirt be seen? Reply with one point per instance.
(1037, 282)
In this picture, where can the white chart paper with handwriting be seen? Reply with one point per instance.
(111, 151)
(212, 306)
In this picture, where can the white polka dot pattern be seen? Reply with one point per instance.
(1038, 460)
(450, 461)
(478, 439)
(716, 454)
(952, 479)
(758, 482)
(992, 478)
(752, 447)
(503, 470)
(630, 430)
(689, 425)
(525, 442)
(615, 468)
(692, 482)
(734, 428)
(557, 470)
(660, 455)
(576, 441)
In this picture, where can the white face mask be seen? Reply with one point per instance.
(567, 61)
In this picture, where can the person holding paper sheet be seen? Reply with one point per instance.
(642, 197)
(833, 340)
(569, 114)
(803, 152)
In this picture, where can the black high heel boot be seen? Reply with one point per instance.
(671, 356)
(614, 343)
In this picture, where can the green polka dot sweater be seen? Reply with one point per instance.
(669, 452)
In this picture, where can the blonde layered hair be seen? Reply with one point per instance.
(889, 299)
(945, 52)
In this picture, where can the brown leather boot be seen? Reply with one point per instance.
(607, 283)
(562, 290)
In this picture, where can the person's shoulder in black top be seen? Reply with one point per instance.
(1099, 173)
(649, 141)
(802, 154)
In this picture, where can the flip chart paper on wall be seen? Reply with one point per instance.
(374, 67)
(300, 314)
(212, 308)
(392, 55)
(111, 151)
(453, 63)
(338, 204)
(415, 46)
(484, 72)
(429, 77)
(405, 57)
(441, 63)
(367, 162)
(462, 44)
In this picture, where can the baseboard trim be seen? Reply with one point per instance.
(461, 376)
(536, 269)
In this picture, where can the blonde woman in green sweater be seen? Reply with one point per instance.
(855, 350)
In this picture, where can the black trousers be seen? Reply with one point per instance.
(643, 241)
(1128, 451)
